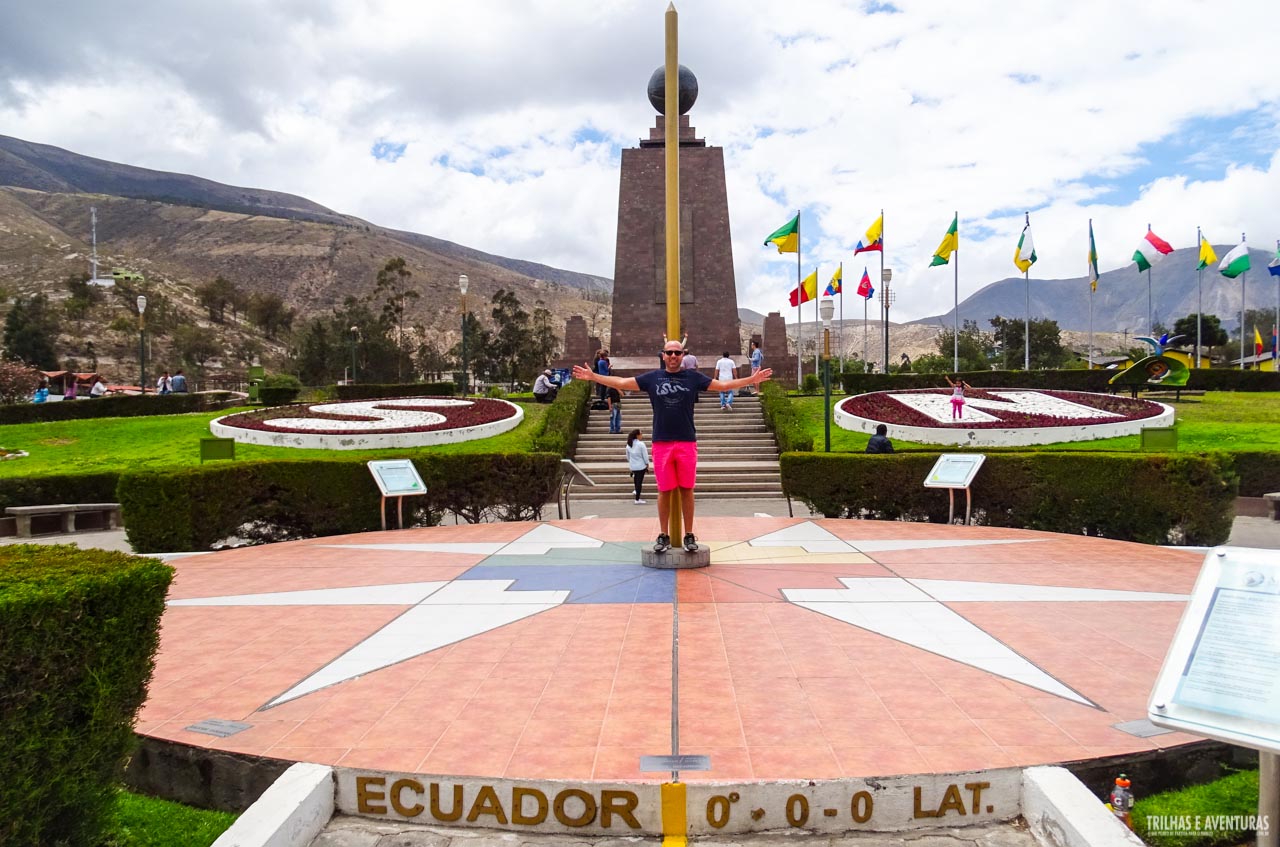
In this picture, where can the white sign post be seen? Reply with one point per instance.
(952, 471)
(396, 478)
(1221, 676)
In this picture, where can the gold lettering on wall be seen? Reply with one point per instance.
(975, 788)
(487, 803)
(401, 809)
(518, 816)
(366, 796)
(440, 814)
(588, 807)
(620, 803)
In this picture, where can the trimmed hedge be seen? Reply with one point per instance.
(63, 488)
(1222, 379)
(1259, 472)
(781, 417)
(374, 391)
(193, 508)
(565, 419)
(78, 636)
(1151, 498)
(116, 407)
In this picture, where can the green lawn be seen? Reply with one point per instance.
(1220, 420)
(142, 821)
(162, 441)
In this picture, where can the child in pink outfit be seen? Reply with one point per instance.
(957, 396)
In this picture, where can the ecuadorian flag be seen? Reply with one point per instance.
(786, 237)
(833, 287)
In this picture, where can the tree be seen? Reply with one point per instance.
(513, 339)
(1211, 332)
(269, 313)
(393, 286)
(196, 345)
(1046, 343)
(317, 353)
(29, 332)
(975, 351)
(83, 296)
(480, 348)
(546, 345)
(216, 296)
(18, 382)
(430, 359)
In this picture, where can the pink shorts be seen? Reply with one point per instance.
(675, 464)
(957, 401)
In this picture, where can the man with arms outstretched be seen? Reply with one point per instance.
(671, 393)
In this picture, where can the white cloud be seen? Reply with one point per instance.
(512, 115)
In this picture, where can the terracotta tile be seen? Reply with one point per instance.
(552, 763)
(385, 758)
(468, 761)
(880, 761)
(793, 763)
(560, 733)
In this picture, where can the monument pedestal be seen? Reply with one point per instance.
(676, 558)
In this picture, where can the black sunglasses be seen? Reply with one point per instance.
(672, 352)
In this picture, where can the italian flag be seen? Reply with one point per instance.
(1236, 262)
(1151, 249)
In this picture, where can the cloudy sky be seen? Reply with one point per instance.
(498, 125)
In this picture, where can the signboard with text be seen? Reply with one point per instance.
(1221, 676)
(397, 477)
(954, 470)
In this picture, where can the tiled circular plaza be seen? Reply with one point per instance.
(810, 649)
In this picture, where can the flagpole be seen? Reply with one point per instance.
(1151, 321)
(799, 301)
(817, 326)
(842, 317)
(955, 339)
(1199, 297)
(1244, 282)
(864, 326)
(1275, 330)
(1026, 327)
(1089, 275)
(884, 295)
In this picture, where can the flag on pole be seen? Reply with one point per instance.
(864, 286)
(874, 239)
(1236, 262)
(1275, 343)
(1024, 256)
(833, 287)
(787, 236)
(807, 291)
(1207, 256)
(1273, 267)
(1093, 261)
(950, 243)
(1257, 342)
(1151, 249)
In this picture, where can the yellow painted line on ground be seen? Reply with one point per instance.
(675, 819)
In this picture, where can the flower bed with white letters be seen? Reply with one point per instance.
(1000, 418)
(372, 424)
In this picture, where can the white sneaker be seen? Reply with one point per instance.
(641, 502)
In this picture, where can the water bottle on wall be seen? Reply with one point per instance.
(1121, 800)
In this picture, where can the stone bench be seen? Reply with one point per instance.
(108, 515)
(1273, 502)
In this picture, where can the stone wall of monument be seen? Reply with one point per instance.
(776, 355)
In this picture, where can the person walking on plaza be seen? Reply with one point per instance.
(958, 388)
(613, 399)
(637, 462)
(726, 370)
(757, 356)
(671, 393)
(880, 442)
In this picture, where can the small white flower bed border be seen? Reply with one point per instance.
(356, 439)
(1012, 436)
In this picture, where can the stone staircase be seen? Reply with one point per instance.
(737, 454)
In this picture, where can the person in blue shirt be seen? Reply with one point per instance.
(671, 391)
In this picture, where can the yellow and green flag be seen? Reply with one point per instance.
(950, 243)
(1207, 256)
(787, 236)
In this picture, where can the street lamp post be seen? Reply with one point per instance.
(462, 286)
(355, 339)
(886, 274)
(826, 308)
(142, 340)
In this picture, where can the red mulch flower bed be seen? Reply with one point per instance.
(881, 406)
(481, 411)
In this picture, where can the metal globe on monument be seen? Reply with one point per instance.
(658, 90)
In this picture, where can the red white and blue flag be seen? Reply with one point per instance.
(864, 287)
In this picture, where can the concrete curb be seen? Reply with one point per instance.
(291, 813)
(1061, 812)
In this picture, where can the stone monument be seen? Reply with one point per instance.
(775, 349)
(708, 293)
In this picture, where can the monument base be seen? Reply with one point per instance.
(676, 558)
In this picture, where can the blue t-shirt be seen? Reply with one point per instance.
(671, 395)
(757, 358)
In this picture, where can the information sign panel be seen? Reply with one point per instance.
(1221, 676)
(397, 477)
(954, 470)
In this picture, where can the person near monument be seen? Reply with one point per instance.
(757, 356)
(543, 390)
(880, 442)
(637, 462)
(613, 399)
(164, 385)
(99, 389)
(69, 392)
(725, 371)
(601, 367)
(671, 393)
(690, 363)
(178, 382)
(958, 388)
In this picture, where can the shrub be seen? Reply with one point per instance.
(781, 417)
(116, 407)
(1151, 498)
(811, 384)
(279, 389)
(78, 635)
(64, 488)
(496, 392)
(18, 381)
(193, 508)
(1222, 379)
(565, 419)
(374, 391)
(1259, 472)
